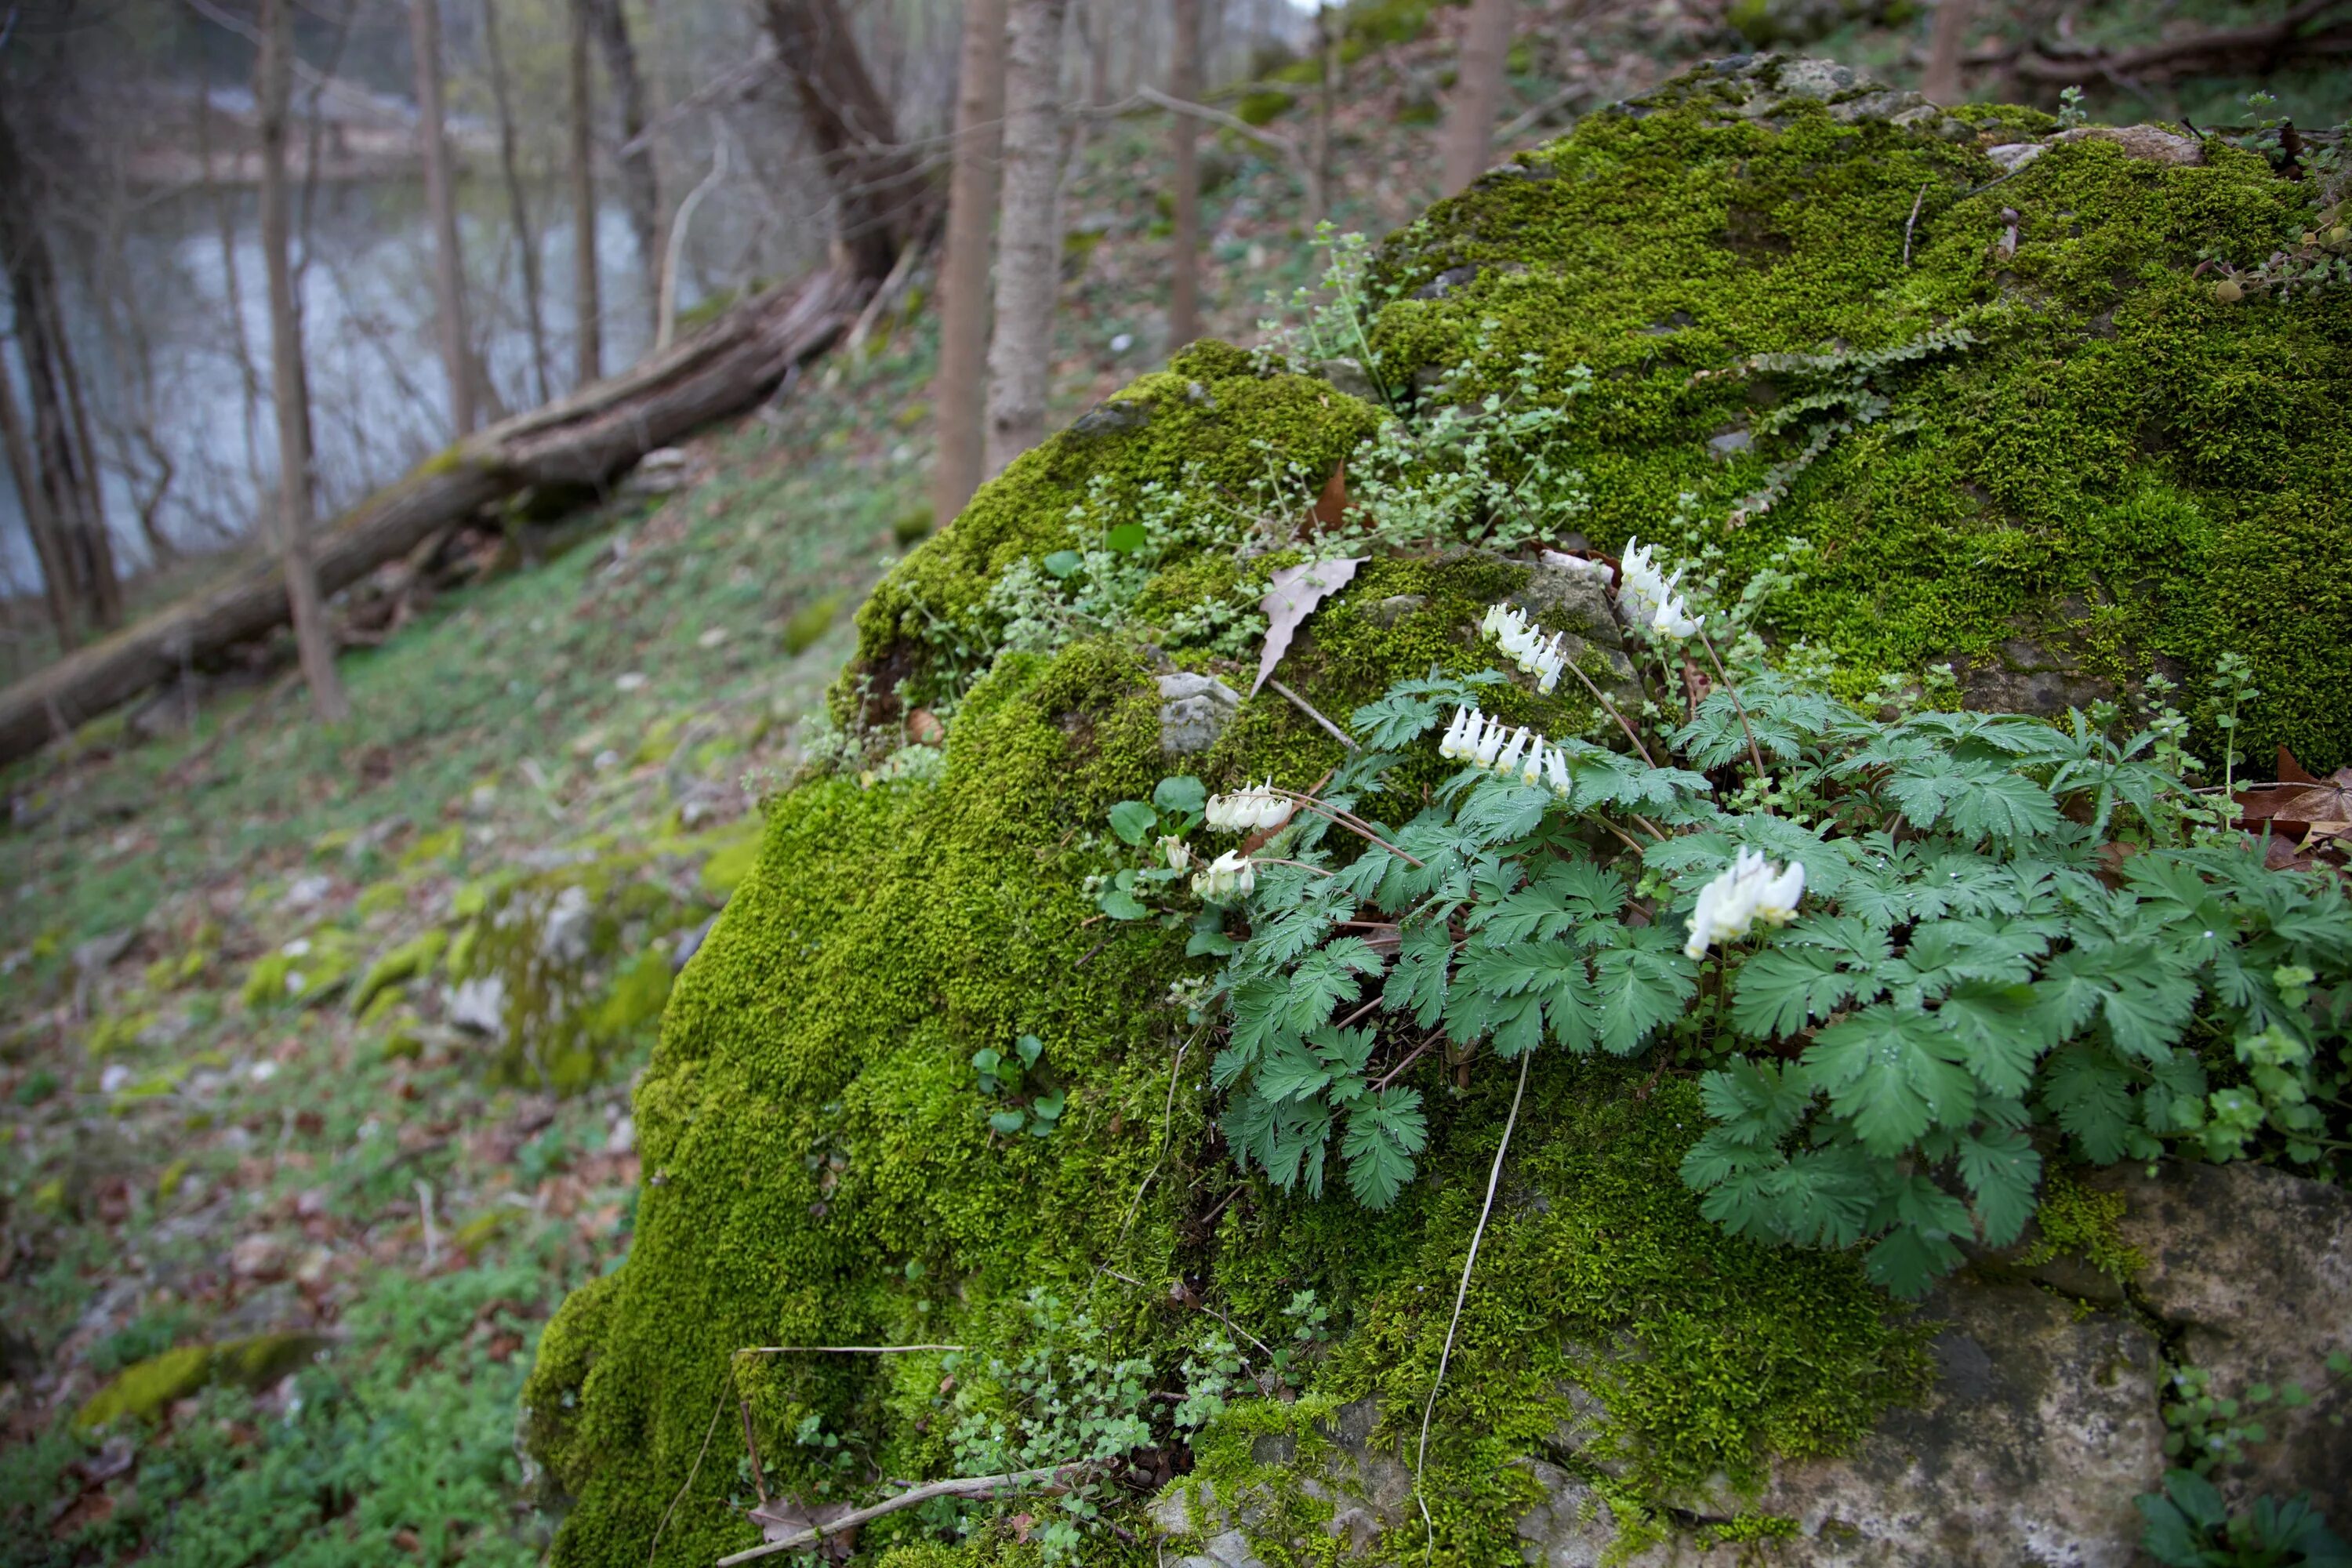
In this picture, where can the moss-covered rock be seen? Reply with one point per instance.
(1768, 266)
(146, 1389)
(819, 1161)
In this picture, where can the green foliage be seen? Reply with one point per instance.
(2189, 1526)
(1969, 966)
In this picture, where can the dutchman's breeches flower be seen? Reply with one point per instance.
(1749, 891)
(1230, 876)
(1257, 809)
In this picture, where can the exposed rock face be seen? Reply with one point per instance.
(2044, 1422)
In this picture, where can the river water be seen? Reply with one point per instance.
(183, 379)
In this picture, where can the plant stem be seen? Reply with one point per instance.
(1610, 709)
(1391, 1076)
(1312, 712)
(1754, 753)
(1462, 1294)
(1278, 860)
(1352, 822)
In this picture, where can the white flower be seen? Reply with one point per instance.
(1556, 772)
(1749, 891)
(1490, 746)
(1256, 809)
(1229, 875)
(1179, 855)
(1648, 599)
(1524, 644)
(1456, 746)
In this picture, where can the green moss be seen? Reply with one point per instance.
(145, 1389)
(2085, 1222)
(1211, 417)
(411, 960)
(1262, 107)
(2122, 474)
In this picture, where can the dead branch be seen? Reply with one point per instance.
(1048, 1481)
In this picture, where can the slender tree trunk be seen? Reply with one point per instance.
(958, 390)
(1184, 149)
(289, 388)
(1326, 108)
(640, 189)
(1099, 21)
(441, 197)
(48, 541)
(65, 461)
(1945, 43)
(518, 207)
(587, 307)
(1029, 259)
(1477, 92)
(882, 198)
(233, 291)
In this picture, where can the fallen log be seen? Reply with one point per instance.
(585, 439)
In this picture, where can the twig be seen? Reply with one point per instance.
(1166, 1121)
(1610, 709)
(665, 316)
(1462, 1294)
(751, 1446)
(962, 1486)
(1193, 1301)
(1352, 822)
(1912, 219)
(425, 1212)
(1278, 860)
(1536, 111)
(841, 1350)
(1755, 754)
(1309, 709)
(717, 1406)
(1389, 1076)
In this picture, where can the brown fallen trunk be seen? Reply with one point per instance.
(587, 439)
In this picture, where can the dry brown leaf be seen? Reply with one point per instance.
(1290, 598)
(1331, 503)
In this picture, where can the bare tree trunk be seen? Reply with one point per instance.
(441, 197)
(588, 310)
(1477, 92)
(289, 388)
(517, 208)
(639, 190)
(249, 374)
(881, 197)
(1099, 34)
(1184, 148)
(957, 392)
(66, 462)
(1327, 106)
(1945, 43)
(48, 543)
(1029, 259)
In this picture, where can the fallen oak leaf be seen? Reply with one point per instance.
(1292, 596)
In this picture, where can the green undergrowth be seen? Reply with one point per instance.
(2116, 470)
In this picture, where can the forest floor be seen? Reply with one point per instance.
(263, 1152)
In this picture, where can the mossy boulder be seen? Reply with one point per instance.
(2019, 426)
(820, 1166)
(146, 1389)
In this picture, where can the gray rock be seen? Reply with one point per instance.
(1369, 1490)
(2041, 1428)
(1445, 282)
(1567, 596)
(1193, 711)
(2251, 1269)
(1347, 375)
(2014, 155)
(1388, 612)
(1113, 418)
(1730, 441)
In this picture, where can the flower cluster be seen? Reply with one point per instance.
(1492, 744)
(1649, 600)
(1526, 645)
(1749, 892)
(1231, 874)
(1257, 809)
